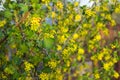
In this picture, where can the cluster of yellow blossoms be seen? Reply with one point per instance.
(2, 23)
(28, 66)
(80, 53)
(77, 17)
(52, 64)
(46, 1)
(35, 23)
(116, 74)
(117, 9)
(59, 5)
(44, 76)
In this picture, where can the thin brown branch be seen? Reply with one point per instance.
(4, 39)
(24, 17)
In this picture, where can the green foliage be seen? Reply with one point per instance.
(51, 40)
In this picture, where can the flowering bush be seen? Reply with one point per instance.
(53, 40)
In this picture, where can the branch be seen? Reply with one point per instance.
(4, 39)
(24, 17)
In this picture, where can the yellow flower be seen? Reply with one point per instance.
(116, 75)
(53, 15)
(58, 71)
(46, 1)
(106, 32)
(114, 60)
(111, 63)
(108, 17)
(63, 29)
(90, 47)
(59, 77)
(98, 37)
(104, 8)
(75, 36)
(79, 57)
(66, 22)
(64, 69)
(81, 67)
(44, 76)
(113, 23)
(113, 46)
(2, 23)
(100, 56)
(117, 10)
(107, 57)
(62, 38)
(84, 32)
(35, 23)
(59, 5)
(106, 66)
(93, 57)
(102, 14)
(28, 66)
(99, 25)
(68, 63)
(65, 52)
(97, 8)
(76, 4)
(78, 17)
(52, 64)
(71, 16)
(59, 47)
(86, 25)
(97, 76)
(81, 51)
(74, 47)
(89, 13)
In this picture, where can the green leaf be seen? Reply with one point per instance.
(16, 75)
(1, 35)
(8, 14)
(24, 48)
(35, 1)
(119, 34)
(10, 69)
(23, 7)
(16, 60)
(48, 43)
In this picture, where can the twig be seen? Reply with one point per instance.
(24, 17)
(4, 39)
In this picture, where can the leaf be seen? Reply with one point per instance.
(48, 43)
(10, 69)
(35, 1)
(1, 35)
(16, 60)
(119, 34)
(23, 7)
(8, 14)
(24, 48)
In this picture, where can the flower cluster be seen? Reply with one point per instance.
(59, 5)
(2, 23)
(44, 76)
(35, 23)
(28, 66)
(52, 64)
